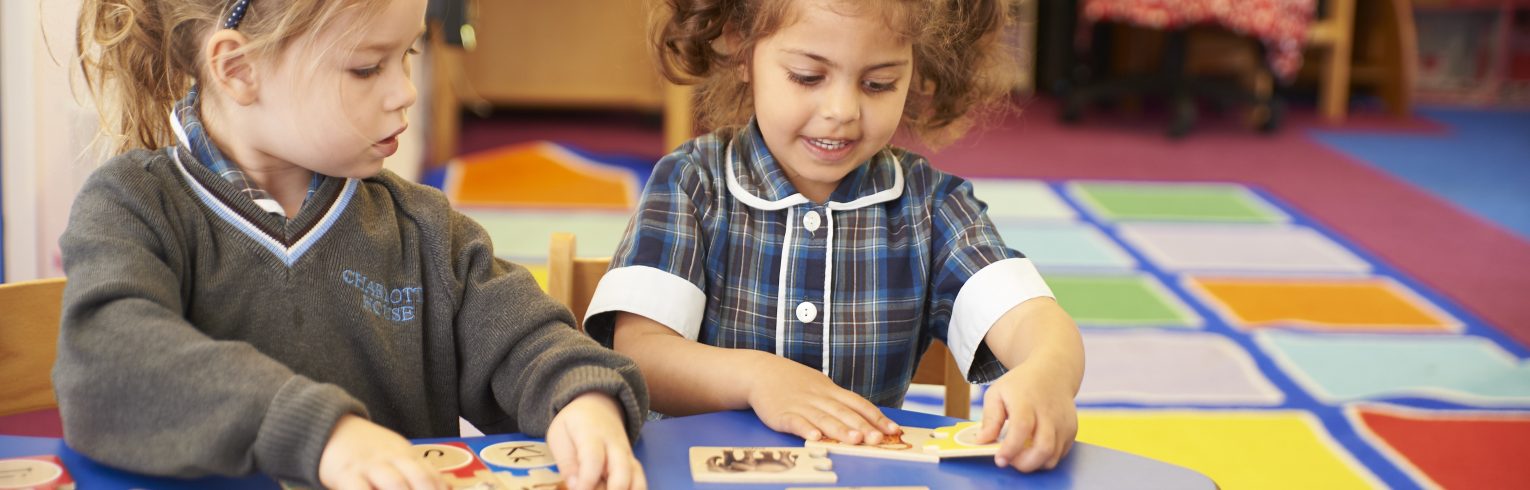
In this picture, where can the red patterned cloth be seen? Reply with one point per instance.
(1280, 24)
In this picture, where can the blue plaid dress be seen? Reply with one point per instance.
(725, 251)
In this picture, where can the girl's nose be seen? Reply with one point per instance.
(402, 95)
(841, 103)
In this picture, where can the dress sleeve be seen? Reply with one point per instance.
(659, 269)
(976, 279)
(141, 388)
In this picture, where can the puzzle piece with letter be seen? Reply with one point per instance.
(44, 472)
(908, 446)
(520, 455)
(761, 465)
(450, 458)
(958, 441)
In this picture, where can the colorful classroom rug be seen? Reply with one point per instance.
(1226, 331)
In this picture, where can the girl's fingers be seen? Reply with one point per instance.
(1022, 424)
(565, 455)
(993, 417)
(592, 462)
(417, 475)
(859, 429)
(385, 477)
(832, 426)
(796, 424)
(1067, 445)
(870, 413)
(618, 468)
(1042, 446)
(639, 477)
(352, 481)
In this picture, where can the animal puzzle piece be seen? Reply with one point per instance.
(761, 465)
(958, 441)
(36, 473)
(908, 446)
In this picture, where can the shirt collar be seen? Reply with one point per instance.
(757, 179)
(186, 122)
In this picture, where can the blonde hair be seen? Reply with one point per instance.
(140, 56)
(962, 69)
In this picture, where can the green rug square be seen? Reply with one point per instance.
(1121, 301)
(1145, 201)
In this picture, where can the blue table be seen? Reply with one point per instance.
(665, 445)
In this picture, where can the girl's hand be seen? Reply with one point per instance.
(792, 398)
(589, 442)
(1037, 407)
(363, 455)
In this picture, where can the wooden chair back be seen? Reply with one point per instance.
(29, 322)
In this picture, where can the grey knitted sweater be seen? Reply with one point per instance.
(202, 335)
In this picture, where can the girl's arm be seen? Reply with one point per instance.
(1042, 349)
(688, 377)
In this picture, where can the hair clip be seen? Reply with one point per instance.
(236, 14)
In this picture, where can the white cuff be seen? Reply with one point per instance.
(986, 296)
(653, 293)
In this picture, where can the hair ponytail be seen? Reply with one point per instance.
(127, 53)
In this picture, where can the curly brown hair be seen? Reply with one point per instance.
(140, 56)
(961, 67)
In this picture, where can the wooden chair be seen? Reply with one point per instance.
(571, 280)
(1333, 32)
(28, 344)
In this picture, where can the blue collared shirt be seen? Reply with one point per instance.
(187, 124)
(725, 251)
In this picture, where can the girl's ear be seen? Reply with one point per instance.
(231, 72)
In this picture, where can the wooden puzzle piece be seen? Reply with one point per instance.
(761, 465)
(958, 441)
(908, 446)
(478, 480)
(35, 473)
(539, 479)
(519, 455)
(453, 458)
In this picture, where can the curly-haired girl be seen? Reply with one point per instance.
(795, 263)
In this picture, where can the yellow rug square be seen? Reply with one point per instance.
(1276, 449)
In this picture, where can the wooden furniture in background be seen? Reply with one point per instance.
(572, 280)
(28, 344)
(1333, 33)
(576, 54)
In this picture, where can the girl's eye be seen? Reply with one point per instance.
(367, 72)
(808, 80)
(410, 52)
(875, 87)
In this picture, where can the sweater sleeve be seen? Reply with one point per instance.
(141, 388)
(522, 361)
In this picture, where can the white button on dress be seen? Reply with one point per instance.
(811, 220)
(806, 312)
